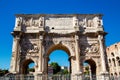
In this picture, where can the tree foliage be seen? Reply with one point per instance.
(56, 67)
(86, 70)
(3, 72)
(65, 71)
(31, 70)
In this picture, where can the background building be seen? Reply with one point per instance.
(113, 53)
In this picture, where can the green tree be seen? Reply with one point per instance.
(56, 67)
(3, 72)
(65, 71)
(31, 70)
(86, 70)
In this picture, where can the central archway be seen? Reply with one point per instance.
(58, 62)
(59, 47)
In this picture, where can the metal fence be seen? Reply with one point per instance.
(58, 77)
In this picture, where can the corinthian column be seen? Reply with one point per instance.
(103, 64)
(15, 55)
(40, 53)
(77, 54)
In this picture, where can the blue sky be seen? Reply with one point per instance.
(8, 8)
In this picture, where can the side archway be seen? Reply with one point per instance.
(92, 68)
(25, 66)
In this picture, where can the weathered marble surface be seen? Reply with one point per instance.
(37, 35)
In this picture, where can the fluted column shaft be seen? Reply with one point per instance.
(100, 39)
(15, 52)
(40, 53)
(77, 53)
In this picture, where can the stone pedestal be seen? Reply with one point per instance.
(38, 76)
(79, 76)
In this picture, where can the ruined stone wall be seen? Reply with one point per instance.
(113, 53)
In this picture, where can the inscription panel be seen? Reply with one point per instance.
(59, 24)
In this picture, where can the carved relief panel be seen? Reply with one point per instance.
(18, 21)
(89, 46)
(90, 49)
(82, 22)
(29, 23)
(37, 21)
(29, 44)
(90, 21)
(49, 41)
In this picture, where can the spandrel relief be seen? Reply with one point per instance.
(29, 44)
(90, 49)
(27, 47)
(33, 48)
(93, 48)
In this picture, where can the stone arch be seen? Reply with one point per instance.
(33, 43)
(59, 47)
(113, 60)
(112, 54)
(92, 64)
(109, 60)
(117, 58)
(115, 74)
(25, 64)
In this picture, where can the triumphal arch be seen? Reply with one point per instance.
(81, 36)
